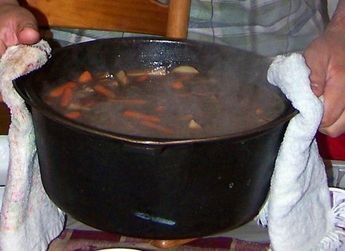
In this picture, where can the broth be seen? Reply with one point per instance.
(181, 103)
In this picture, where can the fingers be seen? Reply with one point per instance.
(3, 47)
(17, 26)
(317, 63)
(327, 77)
(334, 96)
(333, 121)
(28, 35)
(27, 31)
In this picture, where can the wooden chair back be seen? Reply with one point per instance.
(138, 16)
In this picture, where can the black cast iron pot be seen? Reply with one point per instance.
(147, 187)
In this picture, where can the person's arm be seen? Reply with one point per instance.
(326, 58)
(17, 25)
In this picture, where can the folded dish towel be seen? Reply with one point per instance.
(298, 212)
(28, 220)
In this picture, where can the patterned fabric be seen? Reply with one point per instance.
(75, 240)
(268, 27)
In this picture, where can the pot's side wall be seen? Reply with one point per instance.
(158, 192)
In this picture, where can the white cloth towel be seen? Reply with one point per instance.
(298, 211)
(28, 220)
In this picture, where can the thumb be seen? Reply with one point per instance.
(28, 34)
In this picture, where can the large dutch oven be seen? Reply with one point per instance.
(157, 188)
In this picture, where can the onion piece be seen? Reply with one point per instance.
(185, 69)
(194, 125)
(122, 77)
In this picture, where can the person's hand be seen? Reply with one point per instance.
(17, 25)
(325, 56)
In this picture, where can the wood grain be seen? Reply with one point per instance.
(178, 19)
(139, 16)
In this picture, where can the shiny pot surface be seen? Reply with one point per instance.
(147, 187)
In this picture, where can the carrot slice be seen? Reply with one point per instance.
(129, 101)
(177, 85)
(140, 116)
(104, 91)
(58, 91)
(73, 115)
(157, 127)
(84, 77)
(66, 97)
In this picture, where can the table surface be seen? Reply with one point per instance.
(78, 236)
(4, 118)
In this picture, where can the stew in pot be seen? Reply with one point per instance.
(172, 103)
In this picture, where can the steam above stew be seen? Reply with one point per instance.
(176, 103)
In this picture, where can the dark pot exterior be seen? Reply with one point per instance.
(176, 191)
(157, 190)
